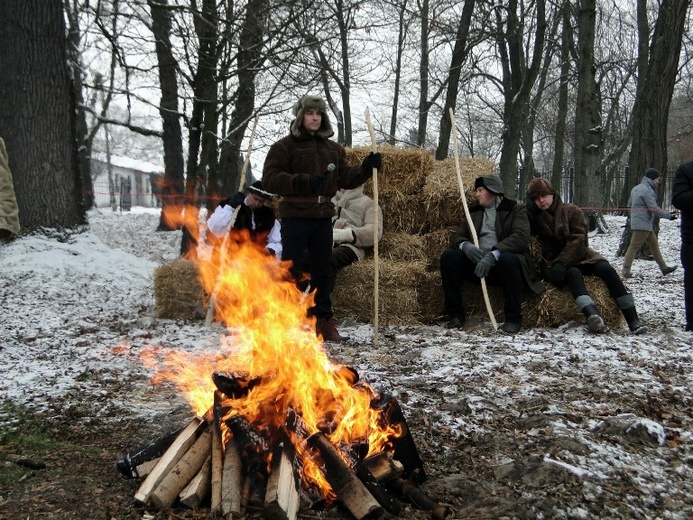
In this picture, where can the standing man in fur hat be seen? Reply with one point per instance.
(502, 256)
(306, 169)
(643, 210)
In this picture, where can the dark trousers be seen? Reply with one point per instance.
(342, 256)
(314, 236)
(687, 264)
(575, 279)
(456, 267)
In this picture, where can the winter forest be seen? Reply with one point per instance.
(598, 89)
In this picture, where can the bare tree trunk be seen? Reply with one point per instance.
(172, 134)
(589, 181)
(562, 114)
(423, 76)
(401, 36)
(459, 55)
(37, 114)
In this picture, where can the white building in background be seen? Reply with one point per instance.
(134, 182)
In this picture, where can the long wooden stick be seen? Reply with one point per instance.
(376, 228)
(472, 231)
(224, 244)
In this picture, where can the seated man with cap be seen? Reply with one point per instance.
(502, 256)
(250, 213)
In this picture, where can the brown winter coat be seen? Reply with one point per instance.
(562, 232)
(512, 231)
(292, 160)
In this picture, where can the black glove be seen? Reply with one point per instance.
(557, 272)
(236, 200)
(316, 180)
(473, 253)
(673, 216)
(372, 160)
(483, 267)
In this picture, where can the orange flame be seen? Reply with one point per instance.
(271, 339)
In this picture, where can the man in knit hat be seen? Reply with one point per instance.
(306, 169)
(502, 256)
(566, 257)
(643, 211)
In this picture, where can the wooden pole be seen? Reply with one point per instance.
(224, 244)
(376, 228)
(472, 231)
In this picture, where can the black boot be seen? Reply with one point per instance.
(627, 306)
(631, 316)
(595, 323)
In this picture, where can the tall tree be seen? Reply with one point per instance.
(658, 60)
(589, 182)
(37, 114)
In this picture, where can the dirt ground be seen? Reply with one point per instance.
(500, 474)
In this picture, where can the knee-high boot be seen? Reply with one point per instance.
(627, 305)
(595, 323)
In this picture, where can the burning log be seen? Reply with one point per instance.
(132, 463)
(404, 447)
(197, 490)
(185, 439)
(418, 498)
(383, 466)
(389, 503)
(234, 384)
(185, 469)
(231, 481)
(350, 490)
(217, 452)
(282, 498)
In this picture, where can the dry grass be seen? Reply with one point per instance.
(178, 293)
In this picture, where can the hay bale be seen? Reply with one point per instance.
(401, 247)
(435, 243)
(556, 307)
(178, 292)
(429, 293)
(404, 170)
(441, 192)
(404, 214)
(397, 297)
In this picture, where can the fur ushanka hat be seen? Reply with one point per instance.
(539, 187)
(315, 103)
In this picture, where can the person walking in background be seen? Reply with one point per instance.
(682, 199)
(352, 228)
(502, 256)
(306, 168)
(249, 213)
(567, 257)
(643, 210)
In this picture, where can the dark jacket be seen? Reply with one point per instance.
(512, 231)
(682, 199)
(562, 232)
(292, 160)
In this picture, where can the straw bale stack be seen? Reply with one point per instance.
(399, 284)
(441, 192)
(178, 293)
(435, 242)
(402, 247)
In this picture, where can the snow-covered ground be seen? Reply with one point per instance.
(78, 310)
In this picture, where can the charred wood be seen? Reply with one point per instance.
(412, 493)
(383, 466)
(128, 463)
(234, 385)
(404, 447)
(378, 490)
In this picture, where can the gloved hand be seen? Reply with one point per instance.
(372, 160)
(473, 253)
(483, 267)
(236, 200)
(557, 272)
(316, 180)
(341, 236)
(673, 216)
